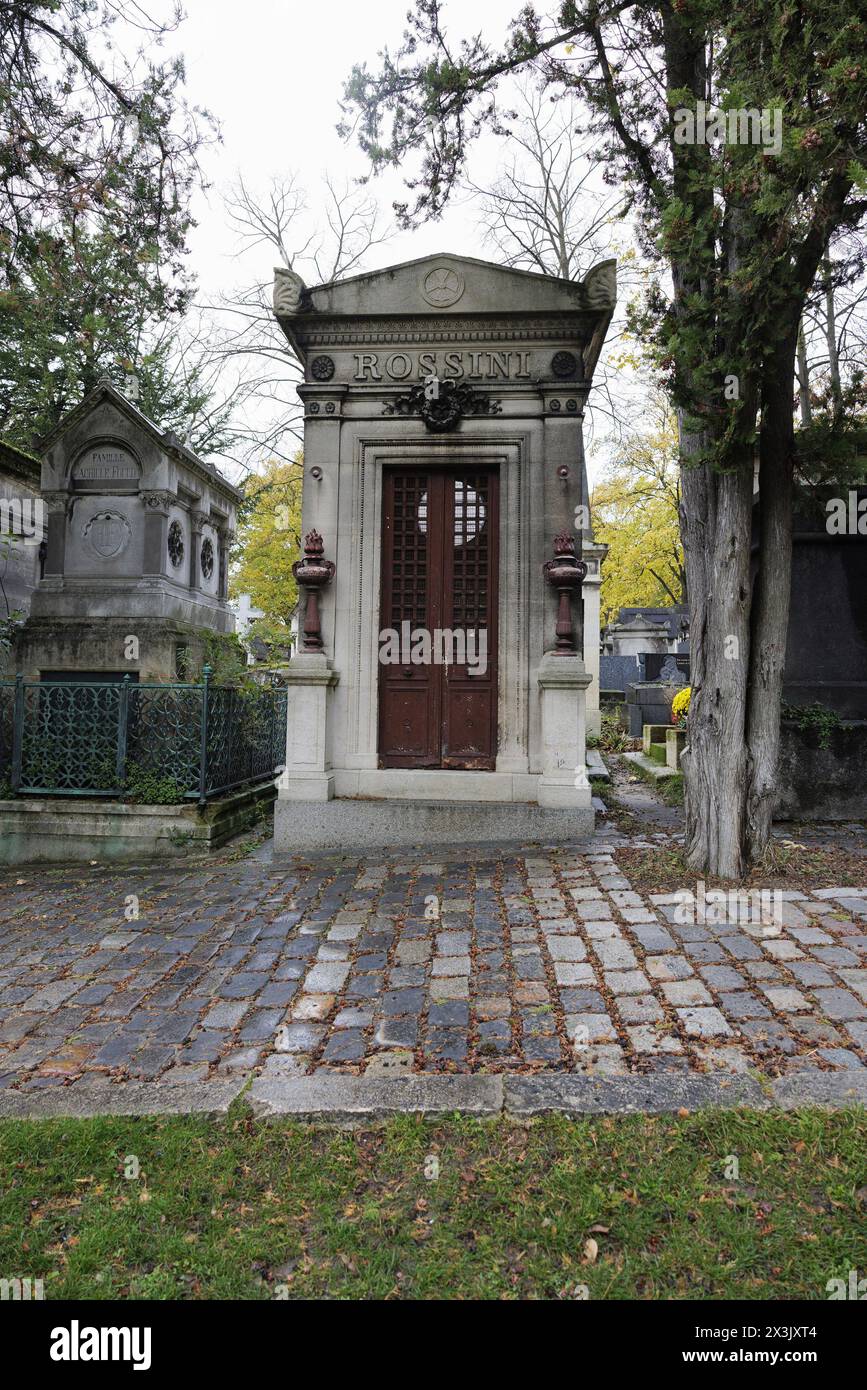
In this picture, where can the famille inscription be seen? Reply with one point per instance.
(106, 465)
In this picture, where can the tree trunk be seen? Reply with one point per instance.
(770, 618)
(715, 521)
(804, 381)
(831, 338)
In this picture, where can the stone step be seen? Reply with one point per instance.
(596, 769)
(657, 770)
(345, 823)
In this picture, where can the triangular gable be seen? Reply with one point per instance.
(103, 391)
(450, 284)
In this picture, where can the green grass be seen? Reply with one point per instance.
(234, 1208)
(669, 789)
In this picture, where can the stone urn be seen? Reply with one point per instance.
(566, 574)
(313, 572)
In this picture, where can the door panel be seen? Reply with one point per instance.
(409, 694)
(439, 575)
(469, 605)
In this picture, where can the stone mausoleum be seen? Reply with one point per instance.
(138, 536)
(441, 687)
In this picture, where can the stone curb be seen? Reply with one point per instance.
(658, 770)
(627, 1095)
(124, 1098)
(835, 1089)
(657, 1094)
(355, 1097)
(337, 1098)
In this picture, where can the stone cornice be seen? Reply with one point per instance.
(357, 331)
(315, 390)
(18, 464)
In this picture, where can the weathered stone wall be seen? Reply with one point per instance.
(83, 646)
(76, 830)
(817, 783)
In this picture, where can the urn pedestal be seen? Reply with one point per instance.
(308, 775)
(563, 682)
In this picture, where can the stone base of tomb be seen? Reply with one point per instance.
(354, 824)
(324, 807)
(153, 649)
(65, 829)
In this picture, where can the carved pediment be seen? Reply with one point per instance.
(444, 284)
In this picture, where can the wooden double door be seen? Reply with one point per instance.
(438, 618)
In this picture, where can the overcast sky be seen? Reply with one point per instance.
(273, 73)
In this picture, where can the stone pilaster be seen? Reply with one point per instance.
(323, 408)
(308, 775)
(593, 553)
(197, 523)
(563, 683)
(226, 538)
(563, 414)
(156, 531)
(55, 550)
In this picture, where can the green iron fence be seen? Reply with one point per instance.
(77, 738)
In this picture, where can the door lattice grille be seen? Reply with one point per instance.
(470, 555)
(409, 551)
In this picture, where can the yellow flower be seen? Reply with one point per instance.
(680, 705)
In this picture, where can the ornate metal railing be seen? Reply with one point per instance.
(143, 742)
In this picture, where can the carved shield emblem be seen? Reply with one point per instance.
(108, 533)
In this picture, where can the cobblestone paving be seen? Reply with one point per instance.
(476, 961)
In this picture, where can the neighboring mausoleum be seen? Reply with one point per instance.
(440, 690)
(136, 560)
(22, 534)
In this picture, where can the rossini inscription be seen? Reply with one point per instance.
(484, 365)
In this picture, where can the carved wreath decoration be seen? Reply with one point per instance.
(176, 544)
(207, 558)
(443, 413)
